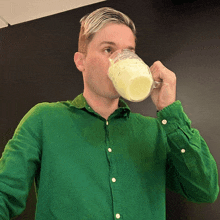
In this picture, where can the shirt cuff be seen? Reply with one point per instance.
(173, 117)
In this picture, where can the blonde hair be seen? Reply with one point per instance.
(93, 22)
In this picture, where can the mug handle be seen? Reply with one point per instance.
(157, 84)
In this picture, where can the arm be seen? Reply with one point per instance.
(18, 165)
(191, 169)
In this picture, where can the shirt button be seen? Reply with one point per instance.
(113, 180)
(109, 150)
(183, 151)
(106, 122)
(118, 216)
(164, 121)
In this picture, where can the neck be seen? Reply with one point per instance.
(102, 105)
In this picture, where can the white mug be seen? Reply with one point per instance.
(130, 76)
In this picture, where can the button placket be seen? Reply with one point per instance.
(112, 174)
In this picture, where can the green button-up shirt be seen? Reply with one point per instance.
(88, 168)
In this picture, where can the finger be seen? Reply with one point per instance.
(156, 72)
(157, 67)
(160, 72)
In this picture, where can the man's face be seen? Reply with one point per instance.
(106, 41)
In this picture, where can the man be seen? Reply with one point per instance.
(94, 159)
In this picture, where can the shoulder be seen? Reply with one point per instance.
(46, 109)
(49, 106)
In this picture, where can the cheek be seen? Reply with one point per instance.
(98, 63)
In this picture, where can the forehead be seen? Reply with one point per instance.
(117, 33)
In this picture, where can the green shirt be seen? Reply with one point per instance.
(88, 168)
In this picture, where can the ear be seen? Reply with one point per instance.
(79, 61)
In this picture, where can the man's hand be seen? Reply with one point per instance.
(165, 94)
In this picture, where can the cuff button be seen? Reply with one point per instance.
(164, 121)
(183, 151)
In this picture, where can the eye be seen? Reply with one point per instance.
(108, 50)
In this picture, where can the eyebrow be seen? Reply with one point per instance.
(112, 43)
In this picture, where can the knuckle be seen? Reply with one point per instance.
(173, 79)
(157, 63)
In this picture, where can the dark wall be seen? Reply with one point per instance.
(36, 65)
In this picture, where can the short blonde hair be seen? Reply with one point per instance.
(93, 22)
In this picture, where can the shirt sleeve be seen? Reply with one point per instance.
(18, 165)
(191, 169)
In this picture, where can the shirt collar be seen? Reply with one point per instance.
(80, 103)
